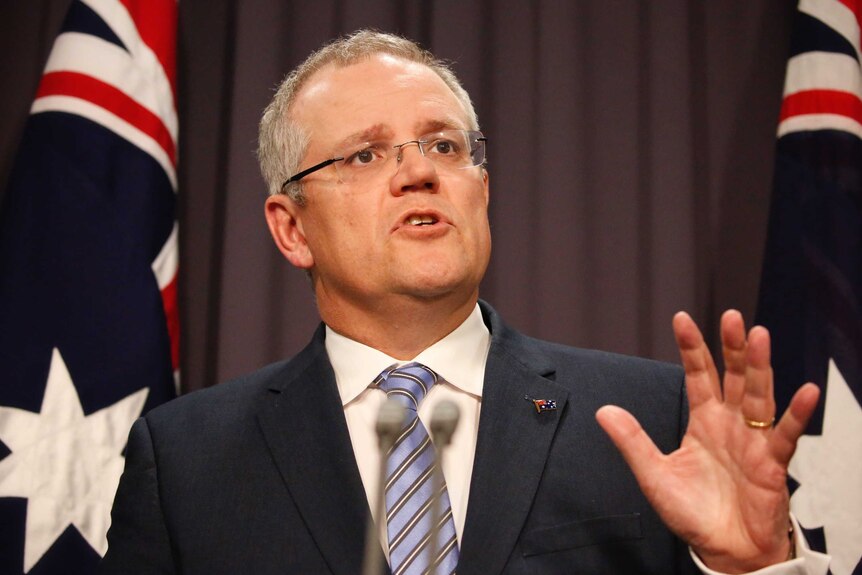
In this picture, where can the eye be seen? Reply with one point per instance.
(447, 146)
(441, 146)
(364, 156)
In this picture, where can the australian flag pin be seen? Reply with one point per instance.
(542, 405)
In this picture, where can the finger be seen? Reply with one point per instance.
(734, 350)
(701, 377)
(758, 402)
(794, 422)
(634, 444)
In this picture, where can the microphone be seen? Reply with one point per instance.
(444, 420)
(390, 421)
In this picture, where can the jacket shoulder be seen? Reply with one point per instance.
(220, 399)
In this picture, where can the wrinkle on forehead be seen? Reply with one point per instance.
(407, 74)
(348, 91)
(318, 82)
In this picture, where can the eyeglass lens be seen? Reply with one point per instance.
(448, 149)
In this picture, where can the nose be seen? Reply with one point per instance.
(414, 172)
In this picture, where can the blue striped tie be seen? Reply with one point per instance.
(410, 483)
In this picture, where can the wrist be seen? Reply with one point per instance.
(730, 563)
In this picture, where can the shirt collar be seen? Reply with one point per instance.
(459, 358)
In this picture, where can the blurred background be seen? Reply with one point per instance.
(631, 150)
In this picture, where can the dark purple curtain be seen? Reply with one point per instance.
(631, 148)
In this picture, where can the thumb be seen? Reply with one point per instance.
(636, 447)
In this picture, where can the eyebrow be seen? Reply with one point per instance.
(382, 131)
(437, 125)
(375, 132)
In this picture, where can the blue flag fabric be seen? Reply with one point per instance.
(88, 265)
(811, 287)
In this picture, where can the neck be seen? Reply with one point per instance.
(402, 328)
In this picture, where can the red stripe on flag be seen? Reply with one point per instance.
(172, 318)
(822, 102)
(156, 21)
(111, 99)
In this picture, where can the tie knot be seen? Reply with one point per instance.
(408, 383)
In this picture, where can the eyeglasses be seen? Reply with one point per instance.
(447, 149)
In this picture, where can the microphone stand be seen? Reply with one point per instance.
(444, 420)
(390, 420)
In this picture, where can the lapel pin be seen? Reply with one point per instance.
(542, 405)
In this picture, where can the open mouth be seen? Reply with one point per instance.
(423, 220)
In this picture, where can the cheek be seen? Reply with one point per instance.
(481, 227)
(352, 234)
(337, 220)
(476, 212)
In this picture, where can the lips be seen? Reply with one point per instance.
(421, 218)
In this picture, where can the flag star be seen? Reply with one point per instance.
(829, 470)
(66, 464)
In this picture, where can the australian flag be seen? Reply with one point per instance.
(811, 289)
(88, 271)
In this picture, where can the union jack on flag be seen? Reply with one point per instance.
(88, 273)
(811, 288)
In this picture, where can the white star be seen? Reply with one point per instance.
(829, 469)
(66, 465)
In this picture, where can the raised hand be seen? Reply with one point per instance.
(724, 491)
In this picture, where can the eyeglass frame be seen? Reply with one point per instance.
(316, 167)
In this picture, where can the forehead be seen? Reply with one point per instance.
(383, 91)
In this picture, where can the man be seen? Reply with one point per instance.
(374, 162)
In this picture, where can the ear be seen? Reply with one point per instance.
(285, 225)
(485, 182)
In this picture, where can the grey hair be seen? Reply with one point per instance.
(283, 142)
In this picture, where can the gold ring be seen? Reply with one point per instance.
(755, 424)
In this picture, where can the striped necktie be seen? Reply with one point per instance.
(410, 484)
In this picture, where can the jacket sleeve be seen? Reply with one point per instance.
(138, 541)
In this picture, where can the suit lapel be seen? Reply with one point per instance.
(304, 426)
(512, 447)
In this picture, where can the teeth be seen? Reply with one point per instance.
(420, 220)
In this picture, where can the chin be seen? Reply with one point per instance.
(440, 286)
(431, 290)
(437, 274)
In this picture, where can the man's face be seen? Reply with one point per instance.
(361, 239)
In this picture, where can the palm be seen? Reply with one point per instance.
(724, 490)
(724, 483)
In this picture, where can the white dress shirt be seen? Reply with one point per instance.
(459, 359)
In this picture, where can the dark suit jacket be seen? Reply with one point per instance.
(258, 475)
